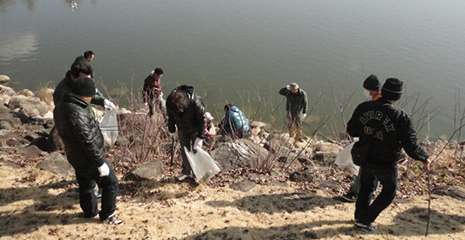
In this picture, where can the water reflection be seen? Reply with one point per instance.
(4, 4)
(17, 46)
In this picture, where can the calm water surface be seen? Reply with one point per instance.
(227, 49)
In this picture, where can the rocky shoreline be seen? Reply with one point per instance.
(26, 120)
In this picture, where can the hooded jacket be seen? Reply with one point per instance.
(192, 120)
(387, 129)
(234, 121)
(80, 133)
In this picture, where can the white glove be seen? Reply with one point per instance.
(104, 170)
(172, 135)
(198, 143)
(108, 104)
(288, 87)
(302, 117)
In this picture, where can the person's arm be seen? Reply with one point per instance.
(199, 115)
(305, 102)
(409, 141)
(284, 91)
(353, 128)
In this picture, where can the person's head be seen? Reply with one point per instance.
(208, 116)
(84, 88)
(80, 68)
(371, 86)
(89, 55)
(227, 107)
(392, 89)
(294, 88)
(179, 100)
(158, 73)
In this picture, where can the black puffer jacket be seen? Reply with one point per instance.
(80, 133)
(388, 129)
(192, 120)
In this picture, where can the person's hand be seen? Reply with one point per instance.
(108, 105)
(427, 164)
(198, 143)
(104, 170)
(288, 87)
(302, 116)
(172, 135)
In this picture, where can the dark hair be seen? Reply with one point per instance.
(227, 107)
(88, 54)
(158, 71)
(80, 65)
(180, 100)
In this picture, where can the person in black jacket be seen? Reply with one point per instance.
(186, 111)
(386, 129)
(84, 149)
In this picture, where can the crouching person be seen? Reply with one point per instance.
(186, 111)
(84, 149)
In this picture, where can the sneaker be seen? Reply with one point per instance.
(182, 177)
(370, 227)
(112, 220)
(350, 197)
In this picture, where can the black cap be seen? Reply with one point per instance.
(392, 89)
(84, 87)
(372, 83)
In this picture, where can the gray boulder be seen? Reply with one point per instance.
(31, 105)
(240, 153)
(56, 163)
(152, 170)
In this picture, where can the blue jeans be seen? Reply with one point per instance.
(365, 211)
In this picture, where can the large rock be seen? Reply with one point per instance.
(4, 79)
(29, 151)
(31, 105)
(240, 153)
(56, 163)
(152, 170)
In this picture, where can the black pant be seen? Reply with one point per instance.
(365, 211)
(87, 199)
(187, 140)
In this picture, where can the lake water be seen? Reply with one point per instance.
(245, 51)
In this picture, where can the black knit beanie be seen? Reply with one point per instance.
(84, 87)
(372, 83)
(392, 89)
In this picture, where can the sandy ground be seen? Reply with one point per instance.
(36, 204)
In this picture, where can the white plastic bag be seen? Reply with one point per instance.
(344, 159)
(202, 164)
(109, 127)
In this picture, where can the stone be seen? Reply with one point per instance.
(29, 151)
(31, 105)
(243, 186)
(152, 170)
(4, 79)
(56, 163)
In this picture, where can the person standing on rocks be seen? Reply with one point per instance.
(84, 150)
(383, 129)
(296, 107)
(372, 89)
(186, 112)
(152, 94)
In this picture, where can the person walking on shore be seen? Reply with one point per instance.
(152, 92)
(296, 107)
(372, 89)
(186, 112)
(84, 150)
(383, 129)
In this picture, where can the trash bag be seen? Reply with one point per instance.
(344, 159)
(202, 164)
(109, 127)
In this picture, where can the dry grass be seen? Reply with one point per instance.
(35, 204)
